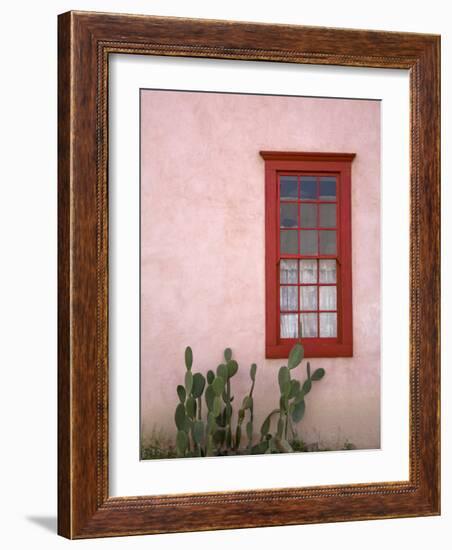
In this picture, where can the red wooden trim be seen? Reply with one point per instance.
(271, 258)
(313, 348)
(345, 244)
(278, 163)
(313, 157)
(321, 167)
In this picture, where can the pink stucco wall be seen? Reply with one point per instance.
(202, 270)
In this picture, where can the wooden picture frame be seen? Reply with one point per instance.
(85, 42)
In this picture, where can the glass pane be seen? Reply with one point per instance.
(308, 298)
(288, 271)
(328, 188)
(288, 187)
(327, 242)
(288, 215)
(288, 298)
(308, 188)
(289, 242)
(289, 326)
(309, 325)
(327, 271)
(327, 215)
(308, 271)
(308, 242)
(327, 297)
(328, 325)
(308, 215)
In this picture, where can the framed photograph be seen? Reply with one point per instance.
(248, 275)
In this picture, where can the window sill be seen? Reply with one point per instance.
(312, 348)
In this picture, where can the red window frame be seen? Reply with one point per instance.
(311, 164)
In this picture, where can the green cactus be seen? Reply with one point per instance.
(210, 396)
(247, 405)
(181, 443)
(318, 374)
(216, 408)
(198, 385)
(180, 417)
(213, 432)
(232, 368)
(188, 357)
(295, 356)
(292, 404)
(181, 393)
(188, 381)
(210, 429)
(222, 371)
(238, 436)
(198, 432)
(190, 407)
(218, 385)
(297, 411)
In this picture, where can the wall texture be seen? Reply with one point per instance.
(202, 251)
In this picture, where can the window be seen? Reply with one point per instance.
(308, 253)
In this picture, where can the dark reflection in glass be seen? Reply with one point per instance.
(308, 186)
(328, 188)
(327, 215)
(288, 187)
(288, 242)
(308, 243)
(328, 242)
(288, 215)
(308, 215)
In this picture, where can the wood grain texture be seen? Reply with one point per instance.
(64, 296)
(85, 42)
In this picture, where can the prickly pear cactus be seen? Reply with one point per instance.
(205, 416)
(292, 405)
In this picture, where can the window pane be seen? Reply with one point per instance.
(288, 215)
(308, 215)
(288, 298)
(308, 271)
(288, 271)
(289, 242)
(308, 188)
(327, 215)
(308, 242)
(288, 187)
(289, 326)
(327, 297)
(308, 298)
(309, 325)
(327, 271)
(328, 325)
(328, 188)
(327, 242)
